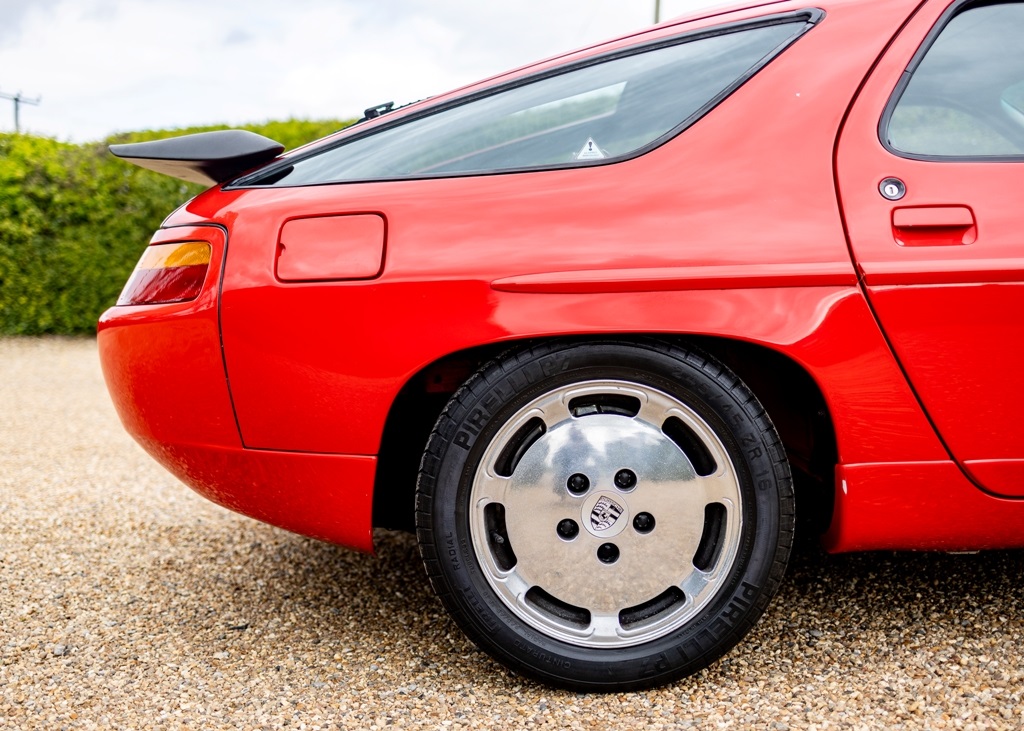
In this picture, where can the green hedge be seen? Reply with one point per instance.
(74, 220)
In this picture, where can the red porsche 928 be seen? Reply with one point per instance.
(601, 328)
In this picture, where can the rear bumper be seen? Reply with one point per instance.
(324, 496)
(165, 373)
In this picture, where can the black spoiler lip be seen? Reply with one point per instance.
(208, 158)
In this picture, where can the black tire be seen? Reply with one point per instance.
(605, 516)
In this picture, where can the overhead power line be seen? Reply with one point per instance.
(18, 100)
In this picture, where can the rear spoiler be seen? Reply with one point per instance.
(208, 158)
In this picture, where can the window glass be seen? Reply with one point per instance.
(589, 114)
(966, 97)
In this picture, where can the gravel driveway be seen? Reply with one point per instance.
(126, 601)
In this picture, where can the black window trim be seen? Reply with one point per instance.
(894, 99)
(810, 16)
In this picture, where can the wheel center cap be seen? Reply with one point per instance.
(605, 514)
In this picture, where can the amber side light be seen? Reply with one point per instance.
(168, 273)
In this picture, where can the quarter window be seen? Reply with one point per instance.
(965, 98)
(586, 115)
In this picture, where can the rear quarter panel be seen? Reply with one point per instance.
(745, 191)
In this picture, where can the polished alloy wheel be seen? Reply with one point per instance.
(592, 522)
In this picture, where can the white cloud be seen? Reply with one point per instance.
(112, 65)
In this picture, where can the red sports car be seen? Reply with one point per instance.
(601, 328)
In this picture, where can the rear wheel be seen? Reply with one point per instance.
(605, 516)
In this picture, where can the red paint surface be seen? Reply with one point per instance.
(951, 303)
(934, 226)
(1003, 476)
(733, 229)
(922, 506)
(326, 248)
(325, 496)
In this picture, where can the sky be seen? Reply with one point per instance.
(106, 66)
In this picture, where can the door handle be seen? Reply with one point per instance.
(934, 226)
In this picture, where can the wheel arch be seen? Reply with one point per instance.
(788, 391)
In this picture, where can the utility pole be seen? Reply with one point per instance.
(18, 100)
(657, 11)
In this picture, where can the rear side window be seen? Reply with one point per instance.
(965, 95)
(604, 110)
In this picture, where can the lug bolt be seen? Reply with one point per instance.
(608, 553)
(643, 522)
(578, 484)
(625, 479)
(568, 529)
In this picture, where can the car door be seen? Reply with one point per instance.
(930, 170)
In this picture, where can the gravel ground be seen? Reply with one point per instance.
(126, 601)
